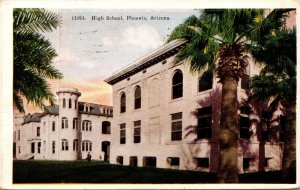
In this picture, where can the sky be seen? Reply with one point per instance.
(89, 51)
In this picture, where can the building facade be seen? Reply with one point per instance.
(68, 131)
(167, 117)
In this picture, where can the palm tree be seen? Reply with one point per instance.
(218, 42)
(33, 56)
(276, 84)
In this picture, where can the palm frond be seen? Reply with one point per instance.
(35, 20)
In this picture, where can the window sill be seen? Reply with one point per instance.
(176, 100)
(204, 92)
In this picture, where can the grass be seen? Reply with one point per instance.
(100, 172)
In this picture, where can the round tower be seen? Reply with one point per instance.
(68, 124)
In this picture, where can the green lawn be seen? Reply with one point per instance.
(100, 172)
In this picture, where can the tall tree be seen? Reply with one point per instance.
(33, 56)
(218, 41)
(276, 84)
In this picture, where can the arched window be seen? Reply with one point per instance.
(64, 103)
(137, 97)
(64, 145)
(64, 123)
(38, 131)
(205, 81)
(123, 102)
(75, 145)
(105, 127)
(177, 85)
(86, 145)
(53, 125)
(86, 125)
(70, 103)
(75, 123)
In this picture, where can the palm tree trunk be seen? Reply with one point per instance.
(289, 150)
(229, 133)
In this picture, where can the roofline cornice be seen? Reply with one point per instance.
(153, 58)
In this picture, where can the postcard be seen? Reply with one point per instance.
(136, 95)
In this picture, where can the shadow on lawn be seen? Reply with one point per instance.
(101, 172)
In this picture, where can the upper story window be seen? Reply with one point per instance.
(177, 85)
(245, 82)
(205, 81)
(245, 122)
(105, 127)
(176, 126)
(64, 145)
(64, 103)
(53, 125)
(204, 128)
(75, 123)
(86, 125)
(64, 123)
(75, 104)
(19, 135)
(123, 103)
(137, 97)
(70, 103)
(38, 131)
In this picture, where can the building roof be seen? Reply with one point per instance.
(94, 109)
(145, 62)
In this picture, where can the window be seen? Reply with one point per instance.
(204, 128)
(137, 97)
(86, 146)
(64, 103)
(149, 162)
(64, 123)
(123, 133)
(123, 103)
(267, 162)
(105, 127)
(246, 163)
(75, 123)
(245, 122)
(53, 125)
(177, 85)
(32, 147)
(137, 131)
(70, 103)
(38, 131)
(202, 162)
(245, 82)
(120, 160)
(64, 145)
(173, 161)
(282, 128)
(86, 125)
(39, 147)
(19, 149)
(133, 161)
(205, 81)
(53, 147)
(176, 126)
(75, 145)
(75, 104)
(19, 135)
